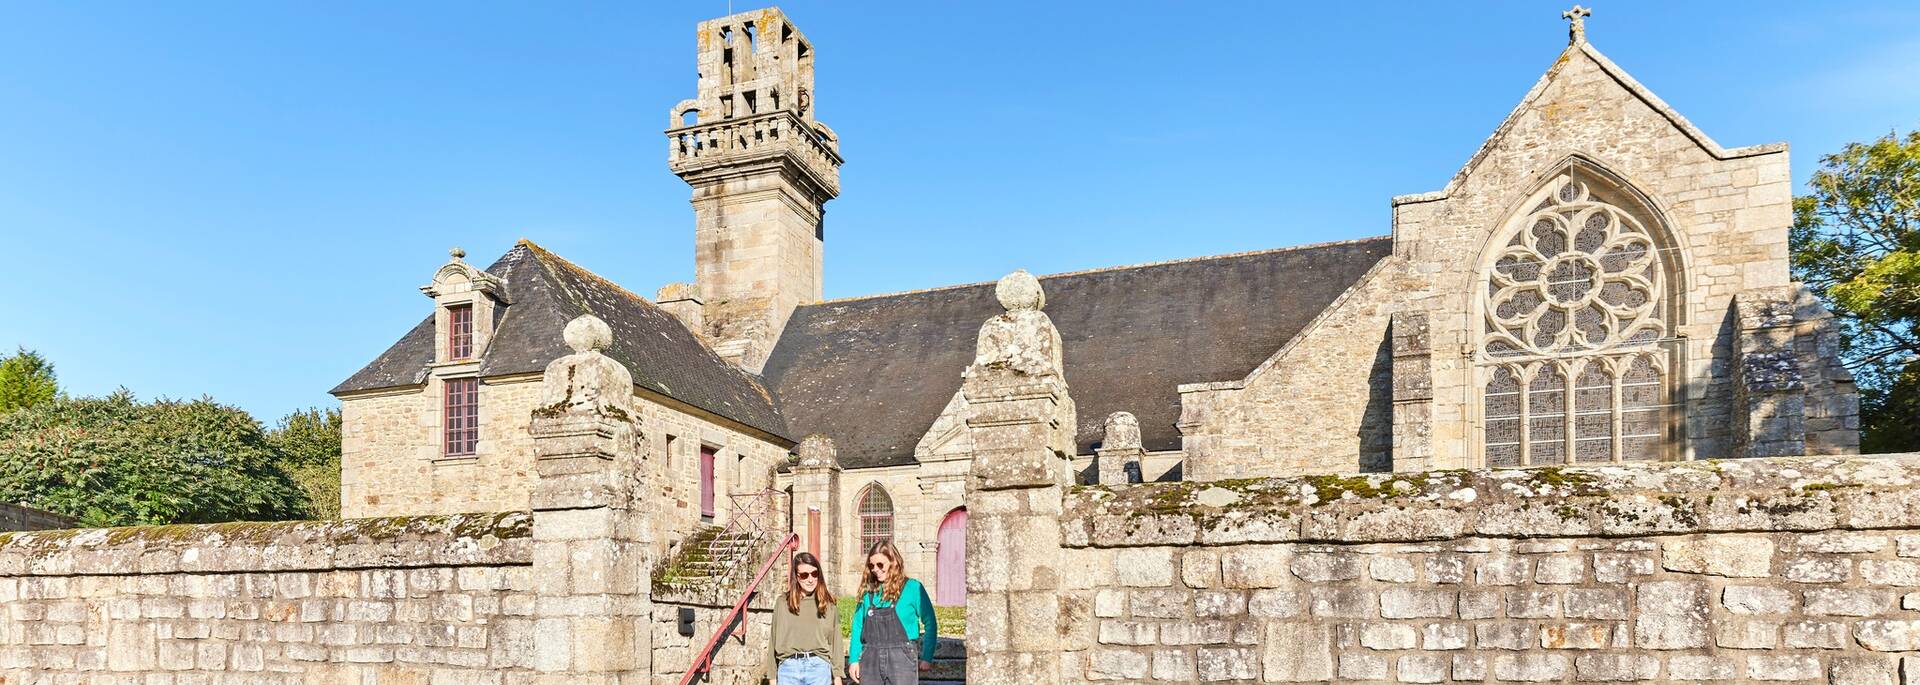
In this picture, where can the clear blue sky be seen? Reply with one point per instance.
(240, 199)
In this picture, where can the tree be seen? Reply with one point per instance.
(115, 461)
(309, 445)
(1856, 244)
(26, 379)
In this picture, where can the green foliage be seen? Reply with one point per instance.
(953, 620)
(1856, 244)
(115, 461)
(309, 445)
(26, 379)
(1890, 416)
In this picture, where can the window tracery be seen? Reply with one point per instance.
(1573, 354)
(876, 517)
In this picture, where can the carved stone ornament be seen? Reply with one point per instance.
(457, 276)
(816, 451)
(1122, 432)
(1022, 340)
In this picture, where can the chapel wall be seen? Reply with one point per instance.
(1797, 569)
(1320, 405)
(923, 494)
(446, 599)
(1728, 218)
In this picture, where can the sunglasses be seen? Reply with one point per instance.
(881, 565)
(806, 575)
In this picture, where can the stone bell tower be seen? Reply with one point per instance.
(762, 170)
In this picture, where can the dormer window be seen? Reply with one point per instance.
(467, 301)
(460, 331)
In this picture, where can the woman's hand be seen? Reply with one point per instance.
(926, 666)
(836, 680)
(853, 671)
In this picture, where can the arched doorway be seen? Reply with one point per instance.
(950, 564)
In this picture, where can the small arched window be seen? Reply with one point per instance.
(1575, 352)
(876, 517)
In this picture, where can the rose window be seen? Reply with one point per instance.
(1583, 275)
(1572, 364)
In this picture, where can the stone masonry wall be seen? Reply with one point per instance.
(390, 449)
(1331, 385)
(441, 599)
(390, 452)
(739, 661)
(1763, 570)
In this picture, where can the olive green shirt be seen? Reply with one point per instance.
(804, 633)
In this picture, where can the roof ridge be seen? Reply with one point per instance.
(757, 381)
(1124, 267)
(542, 252)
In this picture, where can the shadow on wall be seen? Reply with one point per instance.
(1376, 421)
(1718, 396)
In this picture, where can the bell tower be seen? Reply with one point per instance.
(762, 170)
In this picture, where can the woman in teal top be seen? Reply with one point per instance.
(894, 631)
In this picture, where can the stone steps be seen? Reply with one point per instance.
(949, 663)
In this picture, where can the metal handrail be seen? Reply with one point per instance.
(703, 660)
(753, 512)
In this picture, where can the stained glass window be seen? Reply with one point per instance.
(1573, 356)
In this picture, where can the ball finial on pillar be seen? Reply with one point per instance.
(588, 332)
(1020, 291)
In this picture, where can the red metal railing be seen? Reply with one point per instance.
(703, 659)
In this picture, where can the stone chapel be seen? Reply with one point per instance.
(1600, 282)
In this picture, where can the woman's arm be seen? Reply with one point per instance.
(930, 636)
(833, 643)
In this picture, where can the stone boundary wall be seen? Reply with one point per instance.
(1771, 570)
(442, 599)
(740, 659)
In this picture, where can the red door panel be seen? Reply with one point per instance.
(706, 482)
(950, 564)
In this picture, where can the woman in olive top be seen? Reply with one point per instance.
(805, 648)
(894, 631)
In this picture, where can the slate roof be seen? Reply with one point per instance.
(873, 373)
(545, 292)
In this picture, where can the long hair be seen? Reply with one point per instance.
(822, 597)
(890, 588)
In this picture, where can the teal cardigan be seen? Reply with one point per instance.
(915, 609)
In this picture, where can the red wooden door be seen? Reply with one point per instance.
(706, 482)
(950, 564)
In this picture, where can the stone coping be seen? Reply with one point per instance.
(478, 539)
(1613, 500)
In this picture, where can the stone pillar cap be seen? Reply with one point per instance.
(588, 332)
(817, 450)
(1020, 291)
(1121, 431)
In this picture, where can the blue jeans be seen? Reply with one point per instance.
(805, 670)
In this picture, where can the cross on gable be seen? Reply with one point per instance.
(1577, 31)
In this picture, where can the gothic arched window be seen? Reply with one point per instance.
(1573, 360)
(876, 517)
